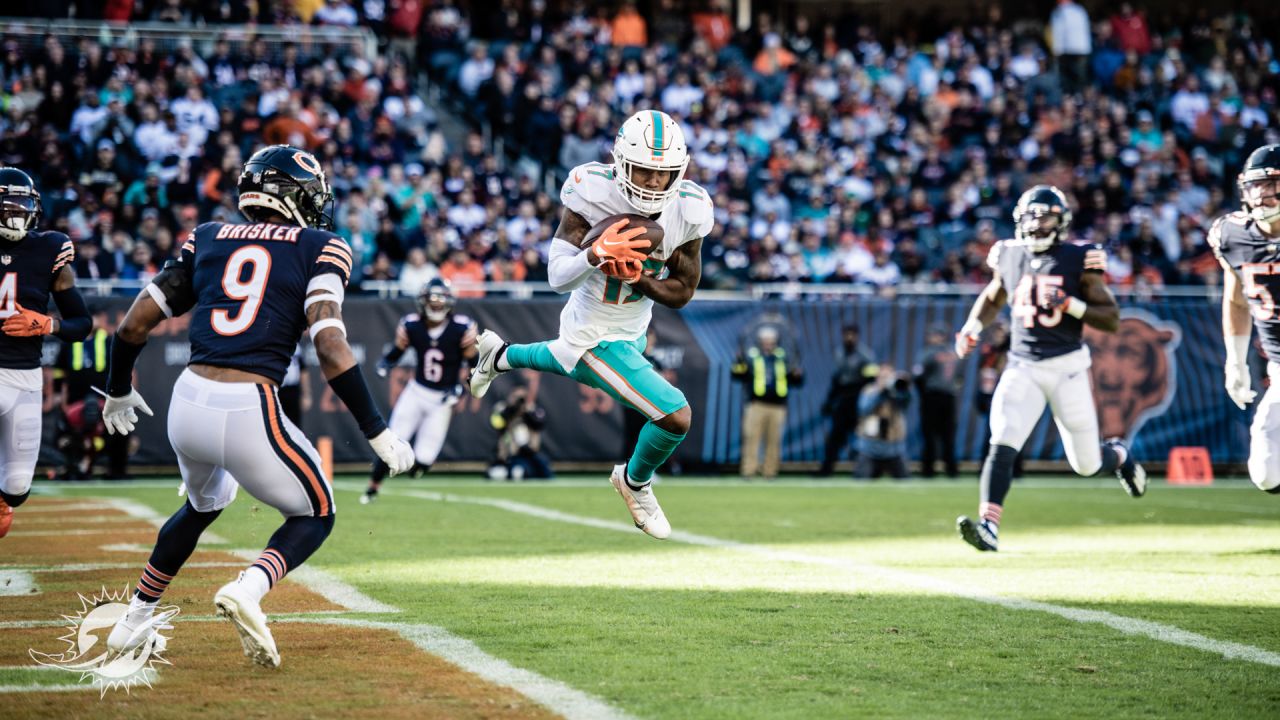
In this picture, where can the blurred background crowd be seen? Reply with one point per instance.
(836, 152)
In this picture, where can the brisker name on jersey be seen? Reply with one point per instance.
(259, 231)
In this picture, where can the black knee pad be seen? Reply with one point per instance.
(14, 501)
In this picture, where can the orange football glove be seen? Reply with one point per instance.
(27, 323)
(628, 271)
(616, 244)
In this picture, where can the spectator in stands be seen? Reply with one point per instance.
(1072, 43)
(629, 29)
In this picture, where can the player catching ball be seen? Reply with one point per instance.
(615, 269)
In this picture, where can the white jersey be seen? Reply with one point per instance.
(602, 308)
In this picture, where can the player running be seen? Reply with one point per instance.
(1246, 243)
(612, 290)
(443, 342)
(33, 265)
(1057, 288)
(252, 289)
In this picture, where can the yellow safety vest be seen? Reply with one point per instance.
(99, 353)
(758, 371)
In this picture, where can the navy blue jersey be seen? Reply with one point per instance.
(1235, 238)
(439, 349)
(27, 271)
(1028, 277)
(248, 282)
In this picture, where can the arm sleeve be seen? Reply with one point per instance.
(173, 288)
(567, 267)
(76, 322)
(393, 355)
(352, 390)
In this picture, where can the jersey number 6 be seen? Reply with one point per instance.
(249, 292)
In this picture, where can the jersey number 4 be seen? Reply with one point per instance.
(1027, 297)
(9, 294)
(247, 291)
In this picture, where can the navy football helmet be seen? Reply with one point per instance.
(1041, 218)
(19, 204)
(286, 181)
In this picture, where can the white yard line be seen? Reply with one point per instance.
(180, 618)
(16, 581)
(93, 567)
(34, 688)
(1127, 625)
(551, 694)
(136, 509)
(37, 508)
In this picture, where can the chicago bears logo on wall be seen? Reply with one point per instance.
(1134, 372)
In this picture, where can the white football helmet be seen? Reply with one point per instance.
(649, 139)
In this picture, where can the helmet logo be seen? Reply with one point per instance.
(308, 162)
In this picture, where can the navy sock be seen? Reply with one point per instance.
(997, 477)
(1110, 460)
(14, 501)
(174, 544)
(380, 472)
(292, 544)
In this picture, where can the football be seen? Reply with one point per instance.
(653, 231)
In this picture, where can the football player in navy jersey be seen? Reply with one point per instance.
(34, 265)
(1054, 289)
(444, 342)
(252, 290)
(1247, 243)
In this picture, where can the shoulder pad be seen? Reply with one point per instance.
(1221, 226)
(591, 182)
(993, 255)
(463, 320)
(696, 207)
(1095, 258)
(411, 317)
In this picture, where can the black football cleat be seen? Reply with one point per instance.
(1132, 476)
(982, 534)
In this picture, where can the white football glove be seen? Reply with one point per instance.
(393, 451)
(1240, 385)
(967, 338)
(120, 414)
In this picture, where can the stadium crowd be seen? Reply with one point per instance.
(834, 153)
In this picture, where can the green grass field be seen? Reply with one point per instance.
(825, 600)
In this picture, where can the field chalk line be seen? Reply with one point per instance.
(552, 694)
(1127, 625)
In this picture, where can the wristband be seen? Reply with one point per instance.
(120, 372)
(1076, 307)
(351, 389)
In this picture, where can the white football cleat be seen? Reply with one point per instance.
(486, 368)
(645, 511)
(139, 624)
(234, 604)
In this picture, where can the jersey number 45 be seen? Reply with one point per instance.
(1031, 291)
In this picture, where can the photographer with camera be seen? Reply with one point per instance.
(519, 422)
(882, 427)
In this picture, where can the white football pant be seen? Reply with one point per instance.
(423, 414)
(229, 434)
(1264, 436)
(1061, 382)
(20, 429)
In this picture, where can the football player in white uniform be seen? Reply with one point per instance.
(612, 289)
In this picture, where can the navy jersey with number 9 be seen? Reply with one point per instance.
(247, 284)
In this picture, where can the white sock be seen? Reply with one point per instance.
(141, 608)
(1122, 453)
(501, 362)
(255, 580)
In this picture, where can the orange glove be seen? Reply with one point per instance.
(27, 323)
(627, 271)
(616, 244)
